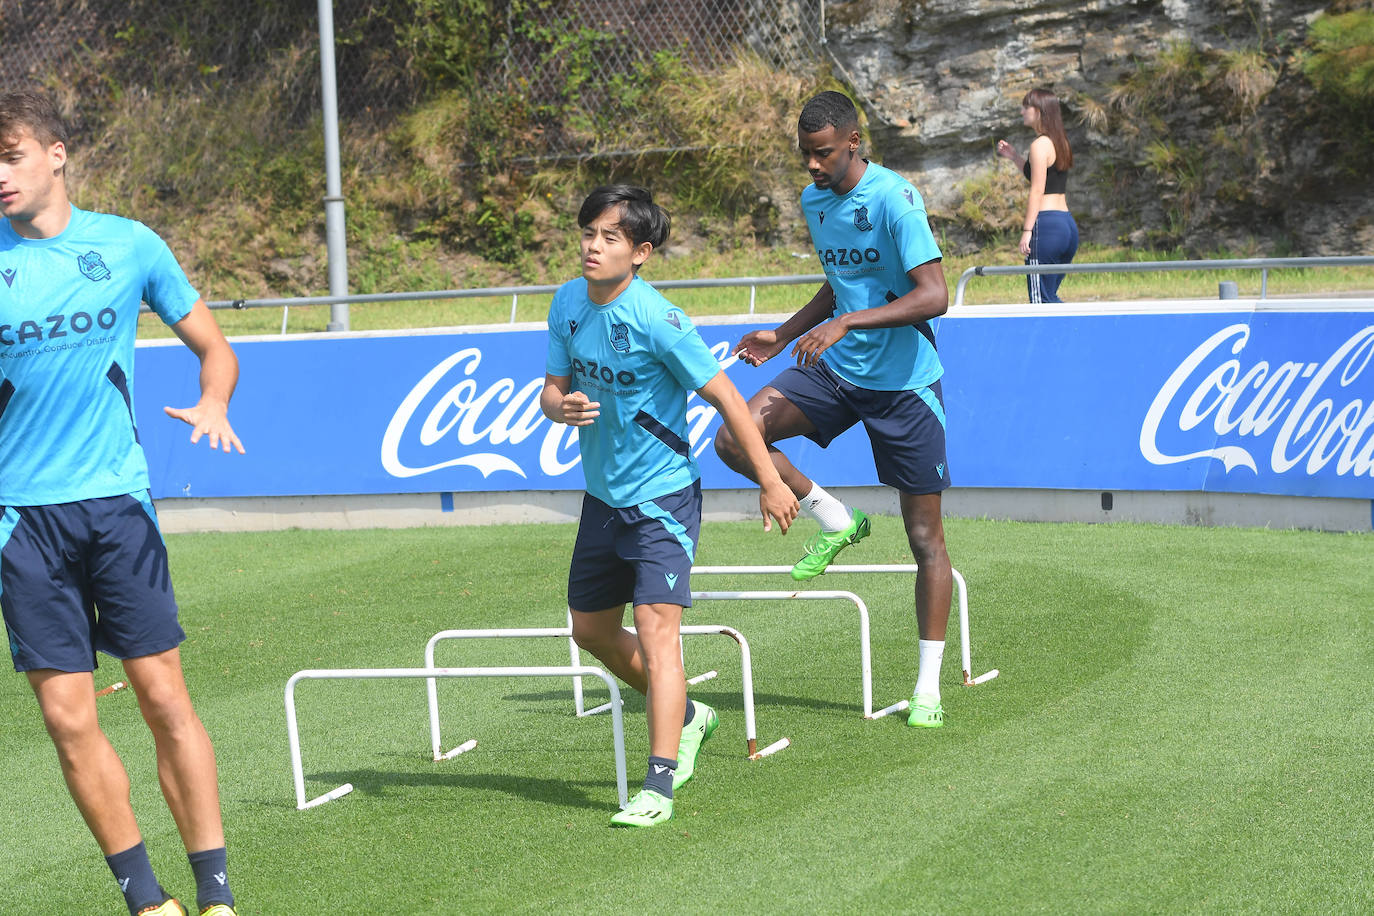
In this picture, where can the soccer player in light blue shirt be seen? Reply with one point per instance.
(621, 363)
(74, 484)
(865, 353)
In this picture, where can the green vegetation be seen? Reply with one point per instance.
(1140, 752)
(1173, 96)
(457, 176)
(1341, 60)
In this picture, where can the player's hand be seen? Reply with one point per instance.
(813, 343)
(757, 347)
(1024, 244)
(208, 419)
(578, 409)
(777, 502)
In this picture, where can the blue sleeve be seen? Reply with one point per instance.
(165, 287)
(691, 362)
(556, 361)
(911, 234)
(674, 340)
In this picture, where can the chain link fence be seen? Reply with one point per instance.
(577, 66)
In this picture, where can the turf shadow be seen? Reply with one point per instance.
(593, 794)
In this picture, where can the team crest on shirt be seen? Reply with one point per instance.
(671, 318)
(620, 338)
(906, 192)
(92, 267)
(861, 219)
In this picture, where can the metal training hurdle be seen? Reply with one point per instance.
(746, 667)
(430, 673)
(865, 652)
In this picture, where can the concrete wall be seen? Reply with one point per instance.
(423, 509)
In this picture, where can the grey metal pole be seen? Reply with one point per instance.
(336, 242)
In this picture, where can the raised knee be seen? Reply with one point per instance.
(727, 448)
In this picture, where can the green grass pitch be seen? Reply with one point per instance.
(1182, 724)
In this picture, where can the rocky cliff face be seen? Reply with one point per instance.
(1190, 121)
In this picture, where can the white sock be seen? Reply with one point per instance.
(832, 514)
(928, 675)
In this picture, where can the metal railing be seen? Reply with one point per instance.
(1264, 265)
(515, 292)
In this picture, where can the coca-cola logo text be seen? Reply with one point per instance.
(1302, 413)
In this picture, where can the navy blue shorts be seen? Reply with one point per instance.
(641, 555)
(906, 429)
(77, 577)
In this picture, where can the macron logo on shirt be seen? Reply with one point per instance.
(9, 273)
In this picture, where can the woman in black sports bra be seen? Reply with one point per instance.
(1049, 236)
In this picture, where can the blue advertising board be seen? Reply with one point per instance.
(1230, 401)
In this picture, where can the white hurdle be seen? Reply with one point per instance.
(615, 704)
(430, 673)
(962, 589)
(865, 652)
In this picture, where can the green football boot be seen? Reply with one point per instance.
(219, 909)
(694, 735)
(168, 907)
(824, 546)
(646, 809)
(926, 712)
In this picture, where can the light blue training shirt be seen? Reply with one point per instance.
(68, 319)
(639, 356)
(867, 240)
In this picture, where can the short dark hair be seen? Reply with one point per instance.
(828, 108)
(31, 110)
(641, 218)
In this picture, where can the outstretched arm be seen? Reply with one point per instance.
(927, 299)
(775, 499)
(757, 347)
(219, 373)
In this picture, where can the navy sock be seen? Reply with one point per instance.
(134, 873)
(660, 775)
(211, 869)
(691, 711)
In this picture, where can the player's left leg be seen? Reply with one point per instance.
(185, 757)
(907, 432)
(603, 634)
(658, 627)
(186, 769)
(934, 588)
(132, 587)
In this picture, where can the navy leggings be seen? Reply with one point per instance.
(1054, 241)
